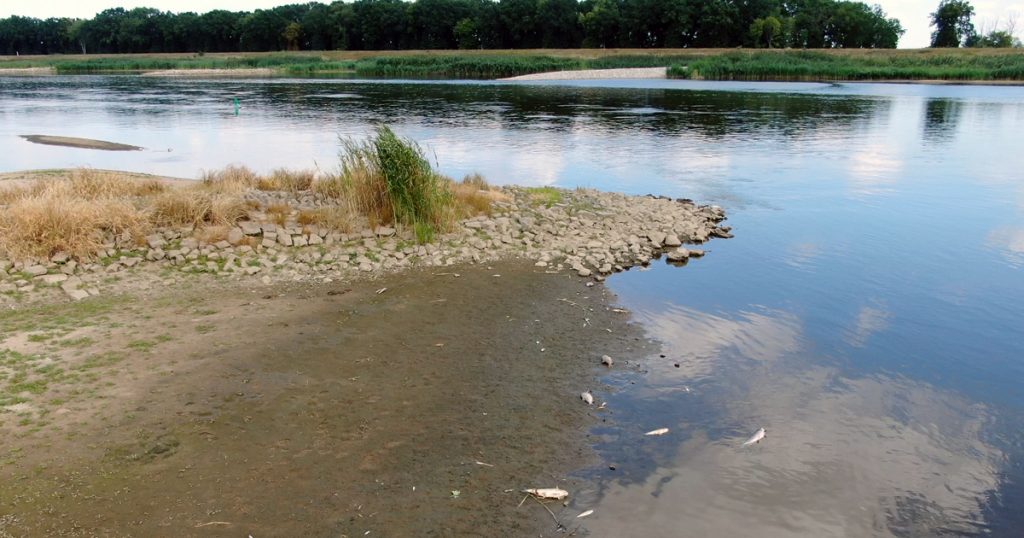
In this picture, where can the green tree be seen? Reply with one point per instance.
(765, 32)
(952, 22)
(292, 35)
(602, 24)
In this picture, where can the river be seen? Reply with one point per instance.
(868, 313)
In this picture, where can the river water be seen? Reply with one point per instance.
(869, 312)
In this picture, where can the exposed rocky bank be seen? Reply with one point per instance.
(588, 232)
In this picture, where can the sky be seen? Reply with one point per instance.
(913, 14)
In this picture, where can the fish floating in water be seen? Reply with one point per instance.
(659, 431)
(756, 438)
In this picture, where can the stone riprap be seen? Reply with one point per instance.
(588, 232)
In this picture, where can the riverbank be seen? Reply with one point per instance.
(235, 408)
(300, 234)
(707, 64)
(288, 379)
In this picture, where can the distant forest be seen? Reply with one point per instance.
(463, 24)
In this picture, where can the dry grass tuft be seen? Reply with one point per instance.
(279, 213)
(286, 180)
(45, 225)
(231, 180)
(181, 207)
(213, 234)
(339, 218)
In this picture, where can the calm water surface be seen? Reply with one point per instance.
(868, 313)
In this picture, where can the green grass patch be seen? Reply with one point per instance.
(807, 65)
(58, 317)
(546, 196)
(101, 360)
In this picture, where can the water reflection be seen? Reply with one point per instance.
(846, 454)
(873, 456)
(699, 339)
(941, 118)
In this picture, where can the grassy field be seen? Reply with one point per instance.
(710, 64)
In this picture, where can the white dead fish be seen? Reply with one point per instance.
(585, 514)
(659, 431)
(756, 438)
(548, 493)
(587, 397)
(606, 360)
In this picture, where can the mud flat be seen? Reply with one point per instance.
(291, 381)
(75, 142)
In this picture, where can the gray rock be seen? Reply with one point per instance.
(60, 257)
(385, 231)
(236, 235)
(52, 279)
(285, 240)
(657, 238)
(584, 272)
(678, 255)
(155, 241)
(249, 227)
(35, 270)
(77, 294)
(672, 240)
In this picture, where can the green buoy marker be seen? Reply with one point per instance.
(237, 106)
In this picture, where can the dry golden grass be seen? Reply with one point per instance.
(286, 180)
(339, 218)
(279, 213)
(78, 211)
(230, 180)
(43, 226)
(213, 234)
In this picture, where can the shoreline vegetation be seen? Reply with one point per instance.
(386, 209)
(972, 65)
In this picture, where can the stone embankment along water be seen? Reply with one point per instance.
(588, 232)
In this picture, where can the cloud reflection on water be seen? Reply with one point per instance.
(698, 338)
(875, 456)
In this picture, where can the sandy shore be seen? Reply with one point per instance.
(254, 72)
(597, 74)
(27, 71)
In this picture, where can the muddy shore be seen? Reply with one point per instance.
(281, 379)
(310, 410)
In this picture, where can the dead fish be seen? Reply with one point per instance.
(606, 360)
(548, 493)
(587, 397)
(756, 438)
(585, 514)
(659, 431)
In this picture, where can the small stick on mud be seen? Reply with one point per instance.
(213, 523)
(549, 511)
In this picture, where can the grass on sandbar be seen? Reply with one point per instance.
(383, 180)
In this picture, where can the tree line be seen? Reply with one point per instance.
(465, 24)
